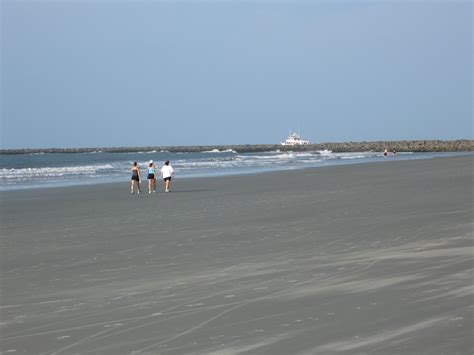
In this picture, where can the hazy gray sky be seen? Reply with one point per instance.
(128, 73)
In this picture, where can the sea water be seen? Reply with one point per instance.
(49, 170)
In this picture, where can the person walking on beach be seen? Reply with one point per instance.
(385, 152)
(135, 177)
(166, 173)
(151, 177)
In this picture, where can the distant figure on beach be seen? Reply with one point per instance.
(394, 152)
(166, 173)
(135, 177)
(385, 152)
(151, 177)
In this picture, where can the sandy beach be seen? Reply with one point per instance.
(358, 259)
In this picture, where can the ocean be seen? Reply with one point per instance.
(43, 170)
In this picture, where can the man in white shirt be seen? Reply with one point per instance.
(166, 173)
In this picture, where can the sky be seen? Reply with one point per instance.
(159, 73)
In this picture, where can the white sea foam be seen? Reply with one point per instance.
(325, 152)
(356, 155)
(220, 151)
(31, 173)
(273, 157)
(212, 151)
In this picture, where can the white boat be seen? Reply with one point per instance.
(295, 139)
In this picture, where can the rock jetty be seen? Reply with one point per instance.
(378, 146)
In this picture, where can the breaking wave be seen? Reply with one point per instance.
(49, 172)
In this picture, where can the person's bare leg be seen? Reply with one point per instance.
(132, 185)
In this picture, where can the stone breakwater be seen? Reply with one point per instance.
(378, 146)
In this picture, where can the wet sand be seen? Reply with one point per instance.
(358, 259)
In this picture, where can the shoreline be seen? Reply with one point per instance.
(461, 145)
(217, 175)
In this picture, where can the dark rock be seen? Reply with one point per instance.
(399, 146)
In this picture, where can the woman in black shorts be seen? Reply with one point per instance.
(151, 177)
(135, 177)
